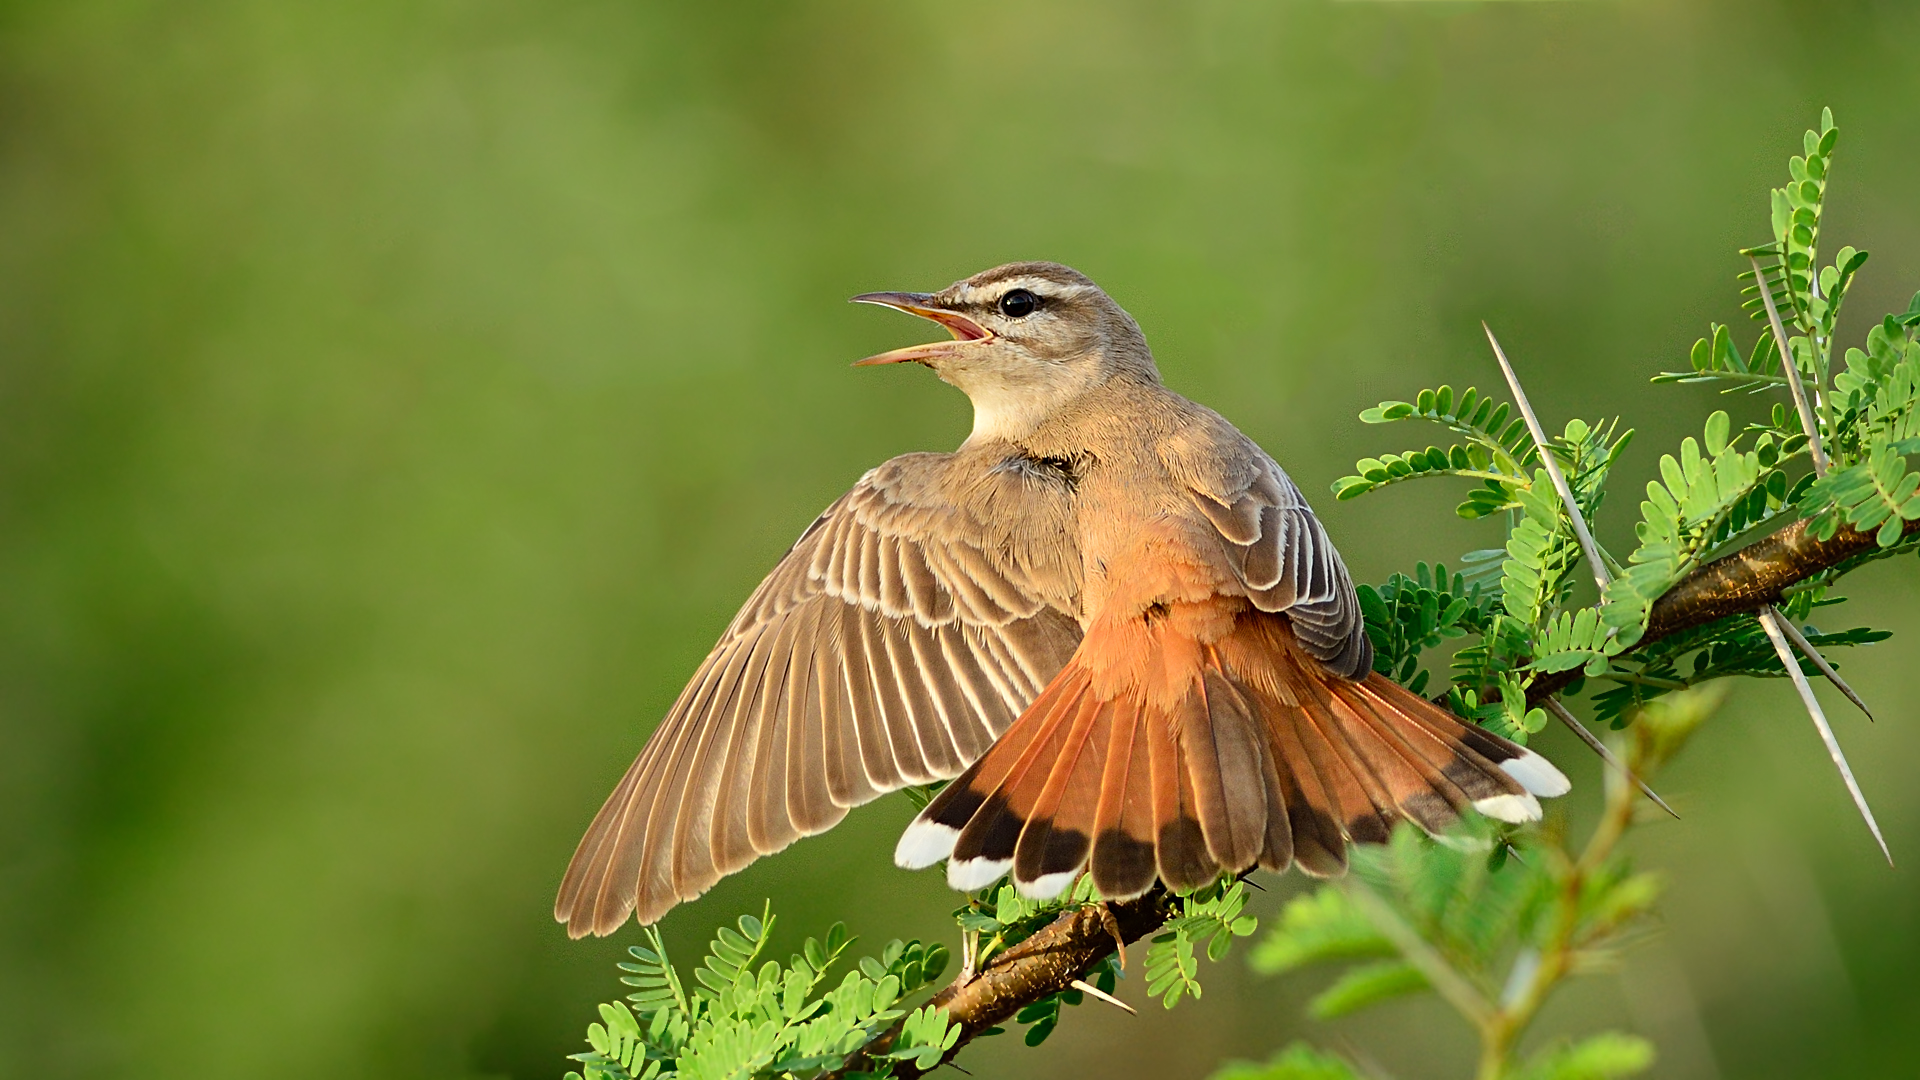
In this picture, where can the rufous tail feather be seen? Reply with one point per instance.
(1266, 759)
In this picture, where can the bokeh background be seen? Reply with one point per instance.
(398, 396)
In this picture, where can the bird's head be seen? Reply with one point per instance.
(1028, 337)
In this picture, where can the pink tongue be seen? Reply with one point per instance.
(962, 329)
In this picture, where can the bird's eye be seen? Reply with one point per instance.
(1019, 304)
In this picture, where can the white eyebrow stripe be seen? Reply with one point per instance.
(1045, 287)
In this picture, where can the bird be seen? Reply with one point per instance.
(1108, 617)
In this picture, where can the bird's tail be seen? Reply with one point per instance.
(1263, 759)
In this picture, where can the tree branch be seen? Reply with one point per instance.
(1740, 583)
(1065, 949)
(1045, 963)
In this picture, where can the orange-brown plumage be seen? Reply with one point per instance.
(1109, 612)
(1257, 755)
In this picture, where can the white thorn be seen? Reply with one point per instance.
(1791, 371)
(1587, 544)
(1770, 619)
(1088, 988)
(969, 952)
(1806, 648)
(1566, 717)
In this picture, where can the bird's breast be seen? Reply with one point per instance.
(1142, 558)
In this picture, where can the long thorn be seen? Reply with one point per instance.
(1086, 987)
(1771, 620)
(1806, 649)
(1791, 371)
(1592, 550)
(1593, 742)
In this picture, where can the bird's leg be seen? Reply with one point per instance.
(969, 948)
(1112, 924)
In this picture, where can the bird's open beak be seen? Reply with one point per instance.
(963, 329)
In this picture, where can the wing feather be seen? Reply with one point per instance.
(897, 638)
(1269, 537)
(945, 744)
(991, 707)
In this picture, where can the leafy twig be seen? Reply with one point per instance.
(1601, 576)
(1447, 982)
(1557, 956)
(1739, 584)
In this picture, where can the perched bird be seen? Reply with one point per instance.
(1108, 614)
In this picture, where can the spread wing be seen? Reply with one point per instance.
(1283, 558)
(904, 631)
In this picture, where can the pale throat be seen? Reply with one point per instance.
(1012, 414)
(1012, 409)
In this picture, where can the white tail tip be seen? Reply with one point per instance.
(1536, 774)
(923, 844)
(967, 875)
(1512, 809)
(1046, 886)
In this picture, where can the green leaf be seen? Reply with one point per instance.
(1878, 493)
(1692, 507)
(925, 1037)
(1608, 1056)
(1911, 316)
(1316, 927)
(1366, 985)
(1716, 437)
(1495, 449)
(1575, 639)
(657, 985)
(1210, 918)
(1615, 898)
(1172, 971)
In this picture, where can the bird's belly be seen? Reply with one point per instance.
(1154, 565)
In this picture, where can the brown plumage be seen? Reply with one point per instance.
(1109, 613)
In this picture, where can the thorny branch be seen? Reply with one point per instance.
(1738, 584)
(1048, 962)
(1784, 635)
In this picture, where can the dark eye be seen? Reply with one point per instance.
(1019, 304)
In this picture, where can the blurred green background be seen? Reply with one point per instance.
(397, 398)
